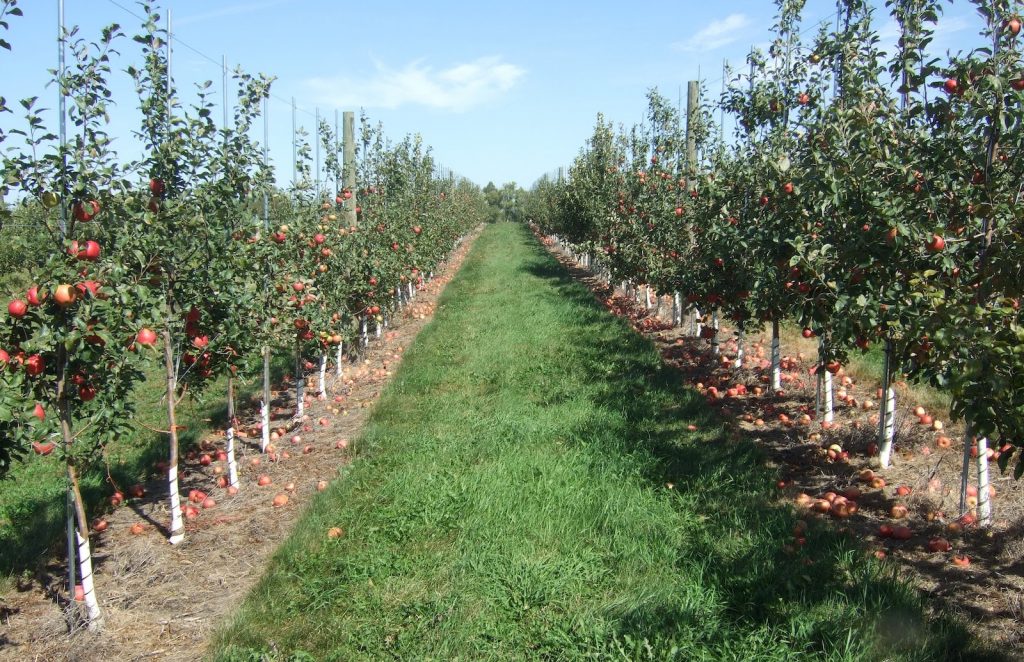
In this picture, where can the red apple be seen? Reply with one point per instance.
(17, 308)
(146, 337)
(936, 244)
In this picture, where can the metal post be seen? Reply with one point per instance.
(62, 123)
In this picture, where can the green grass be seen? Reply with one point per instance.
(509, 502)
(32, 498)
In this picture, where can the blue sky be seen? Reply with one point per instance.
(501, 91)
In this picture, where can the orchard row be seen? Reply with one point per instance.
(869, 197)
(191, 258)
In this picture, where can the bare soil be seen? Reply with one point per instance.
(163, 602)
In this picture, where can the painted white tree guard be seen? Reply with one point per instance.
(232, 461)
(984, 499)
(177, 525)
(337, 360)
(828, 415)
(92, 605)
(323, 375)
(265, 423)
(887, 426)
(776, 358)
(300, 388)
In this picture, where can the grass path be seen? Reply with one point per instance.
(511, 501)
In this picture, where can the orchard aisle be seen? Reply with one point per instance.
(534, 483)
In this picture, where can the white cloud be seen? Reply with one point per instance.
(457, 88)
(716, 34)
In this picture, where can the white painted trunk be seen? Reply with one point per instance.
(92, 605)
(696, 325)
(377, 329)
(412, 291)
(677, 309)
(715, 349)
(740, 338)
(232, 461)
(177, 524)
(323, 374)
(984, 500)
(337, 360)
(265, 423)
(300, 389)
(827, 404)
(364, 338)
(776, 366)
(887, 426)
(647, 297)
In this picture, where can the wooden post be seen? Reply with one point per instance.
(692, 104)
(348, 169)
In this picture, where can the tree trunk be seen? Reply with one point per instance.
(177, 524)
(230, 434)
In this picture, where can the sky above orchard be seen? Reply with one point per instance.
(501, 91)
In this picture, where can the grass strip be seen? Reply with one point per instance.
(528, 487)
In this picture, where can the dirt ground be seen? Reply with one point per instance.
(163, 602)
(924, 475)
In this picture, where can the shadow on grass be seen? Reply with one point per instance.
(34, 532)
(816, 592)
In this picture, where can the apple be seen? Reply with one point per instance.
(952, 86)
(280, 500)
(90, 252)
(43, 449)
(99, 525)
(136, 491)
(90, 286)
(263, 480)
(939, 545)
(34, 365)
(65, 295)
(787, 188)
(298, 286)
(49, 199)
(146, 337)
(1017, 84)
(936, 244)
(417, 229)
(1013, 26)
(808, 333)
(17, 308)
(35, 296)
(85, 211)
(86, 392)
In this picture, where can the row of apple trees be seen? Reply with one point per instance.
(870, 197)
(189, 257)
